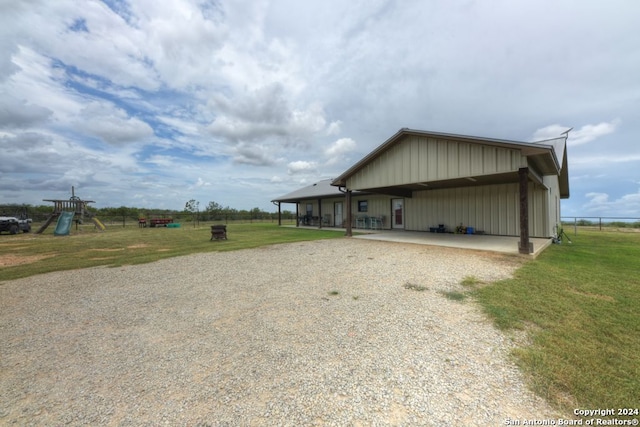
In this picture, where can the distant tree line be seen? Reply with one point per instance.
(212, 212)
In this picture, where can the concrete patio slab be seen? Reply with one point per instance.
(504, 244)
(479, 242)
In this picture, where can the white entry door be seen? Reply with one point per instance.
(337, 214)
(397, 213)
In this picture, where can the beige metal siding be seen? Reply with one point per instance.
(420, 159)
(493, 209)
(328, 209)
(378, 206)
(553, 183)
(302, 206)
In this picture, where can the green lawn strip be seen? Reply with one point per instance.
(580, 304)
(117, 246)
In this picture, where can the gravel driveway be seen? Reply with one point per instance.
(313, 333)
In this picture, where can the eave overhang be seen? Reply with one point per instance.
(316, 191)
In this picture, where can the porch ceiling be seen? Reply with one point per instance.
(406, 190)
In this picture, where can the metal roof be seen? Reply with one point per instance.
(319, 190)
(549, 156)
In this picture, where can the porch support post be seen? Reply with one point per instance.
(524, 246)
(297, 214)
(279, 215)
(348, 202)
(319, 213)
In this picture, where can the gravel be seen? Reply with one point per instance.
(332, 332)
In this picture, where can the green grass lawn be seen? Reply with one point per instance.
(117, 246)
(580, 304)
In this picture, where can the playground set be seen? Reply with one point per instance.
(66, 211)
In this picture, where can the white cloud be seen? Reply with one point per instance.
(263, 114)
(15, 113)
(38, 83)
(162, 161)
(111, 47)
(549, 132)
(260, 126)
(301, 166)
(253, 154)
(202, 183)
(112, 124)
(585, 134)
(604, 159)
(334, 128)
(308, 121)
(183, 43)
(187, 127)
(340, 147)
(337, 151)
(588, 133)
(628, 205)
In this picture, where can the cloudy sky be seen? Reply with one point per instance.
(152, 103)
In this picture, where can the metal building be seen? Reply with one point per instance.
(420, 180)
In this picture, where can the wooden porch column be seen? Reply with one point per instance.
(279, 215)
(524, 246)
(348, 202)
(297, 214)
(319, 213)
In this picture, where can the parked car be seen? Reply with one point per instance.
(12, 224)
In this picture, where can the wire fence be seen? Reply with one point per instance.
(185, 219)
(600, 223)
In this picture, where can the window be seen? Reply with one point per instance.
(363, 205)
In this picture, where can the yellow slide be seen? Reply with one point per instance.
(98, 223)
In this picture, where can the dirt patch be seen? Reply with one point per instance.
(13, 260)
(628, 230)
(18, 247)
(138, 246)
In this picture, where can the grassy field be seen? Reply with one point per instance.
(580, 304)
(24, 255)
